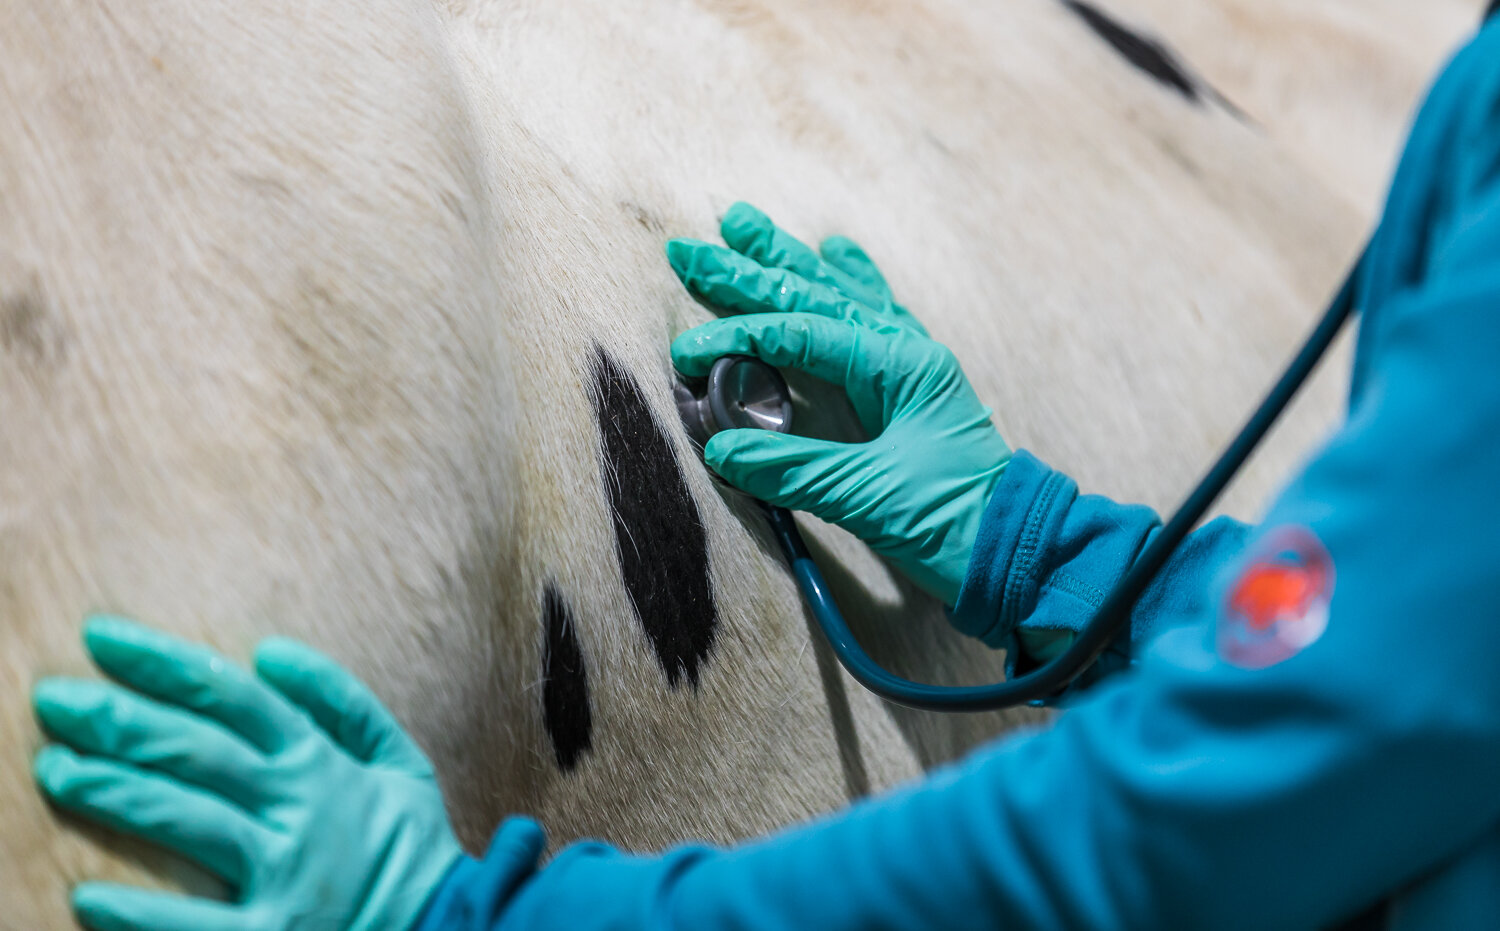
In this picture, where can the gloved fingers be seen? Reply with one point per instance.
(112, 907)
(730, 281)
(193, 677)
(339, 703)
(751, 233)
(850, 258)
(815, 344)
(860, 360)
(200, 826)
(105, 720)
(794, 472)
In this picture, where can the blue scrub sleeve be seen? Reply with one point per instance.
(1046, 557)
(1191, 791)
(475, 892)
(1325, 728)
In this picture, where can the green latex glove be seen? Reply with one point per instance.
(917, 490)
(294, 785)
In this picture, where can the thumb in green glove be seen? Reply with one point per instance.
(915, 492)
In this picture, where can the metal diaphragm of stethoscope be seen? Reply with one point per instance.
(743, 392)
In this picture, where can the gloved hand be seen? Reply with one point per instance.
(295, 786)
(917, 490)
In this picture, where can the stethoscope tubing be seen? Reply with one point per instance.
(1048, 681)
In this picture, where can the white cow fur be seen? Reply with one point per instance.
(296, 298)
(1334, 81)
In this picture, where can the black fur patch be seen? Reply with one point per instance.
(1149, 55)
(659, 534)
(565, 684)
(1493, 7)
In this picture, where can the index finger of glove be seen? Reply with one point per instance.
(850, 258)
(751, 233)
(339, 703)
(193, 677)
(843, 352)
(732, 282)
(106, 720)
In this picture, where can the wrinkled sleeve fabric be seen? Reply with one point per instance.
(1191, 791)
(1046, 557)
(476, 891)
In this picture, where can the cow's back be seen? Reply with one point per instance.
(1333, 82)
(1121, 266)
(350, 322)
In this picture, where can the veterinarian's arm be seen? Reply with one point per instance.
(1283, 762)
(936, 489)
(1046, 556)
(1329, 729)
(1359, 727)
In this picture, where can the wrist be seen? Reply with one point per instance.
(439, 900)
(473, 893)
(952, 567)
(1000, 574)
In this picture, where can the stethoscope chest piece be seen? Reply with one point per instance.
(741, 392)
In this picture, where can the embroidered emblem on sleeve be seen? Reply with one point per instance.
(1279, 604)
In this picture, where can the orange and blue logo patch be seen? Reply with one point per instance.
(1279, 604)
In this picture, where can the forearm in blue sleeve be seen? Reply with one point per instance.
(1219, 783)
(1214, 785)
(475, 892)
(1047, 556)
(1201, 789)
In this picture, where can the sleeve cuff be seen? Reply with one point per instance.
(1046, 557)
(593, 885)
(475, 892)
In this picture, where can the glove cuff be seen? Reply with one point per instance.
(1025, 510)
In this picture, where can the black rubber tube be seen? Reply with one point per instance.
(1113, 616)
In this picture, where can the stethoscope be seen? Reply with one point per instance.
(744, 392)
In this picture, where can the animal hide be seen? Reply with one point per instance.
(350, 321)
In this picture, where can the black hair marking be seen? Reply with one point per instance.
(1149, 55)
(565, 683)
(659, 534)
